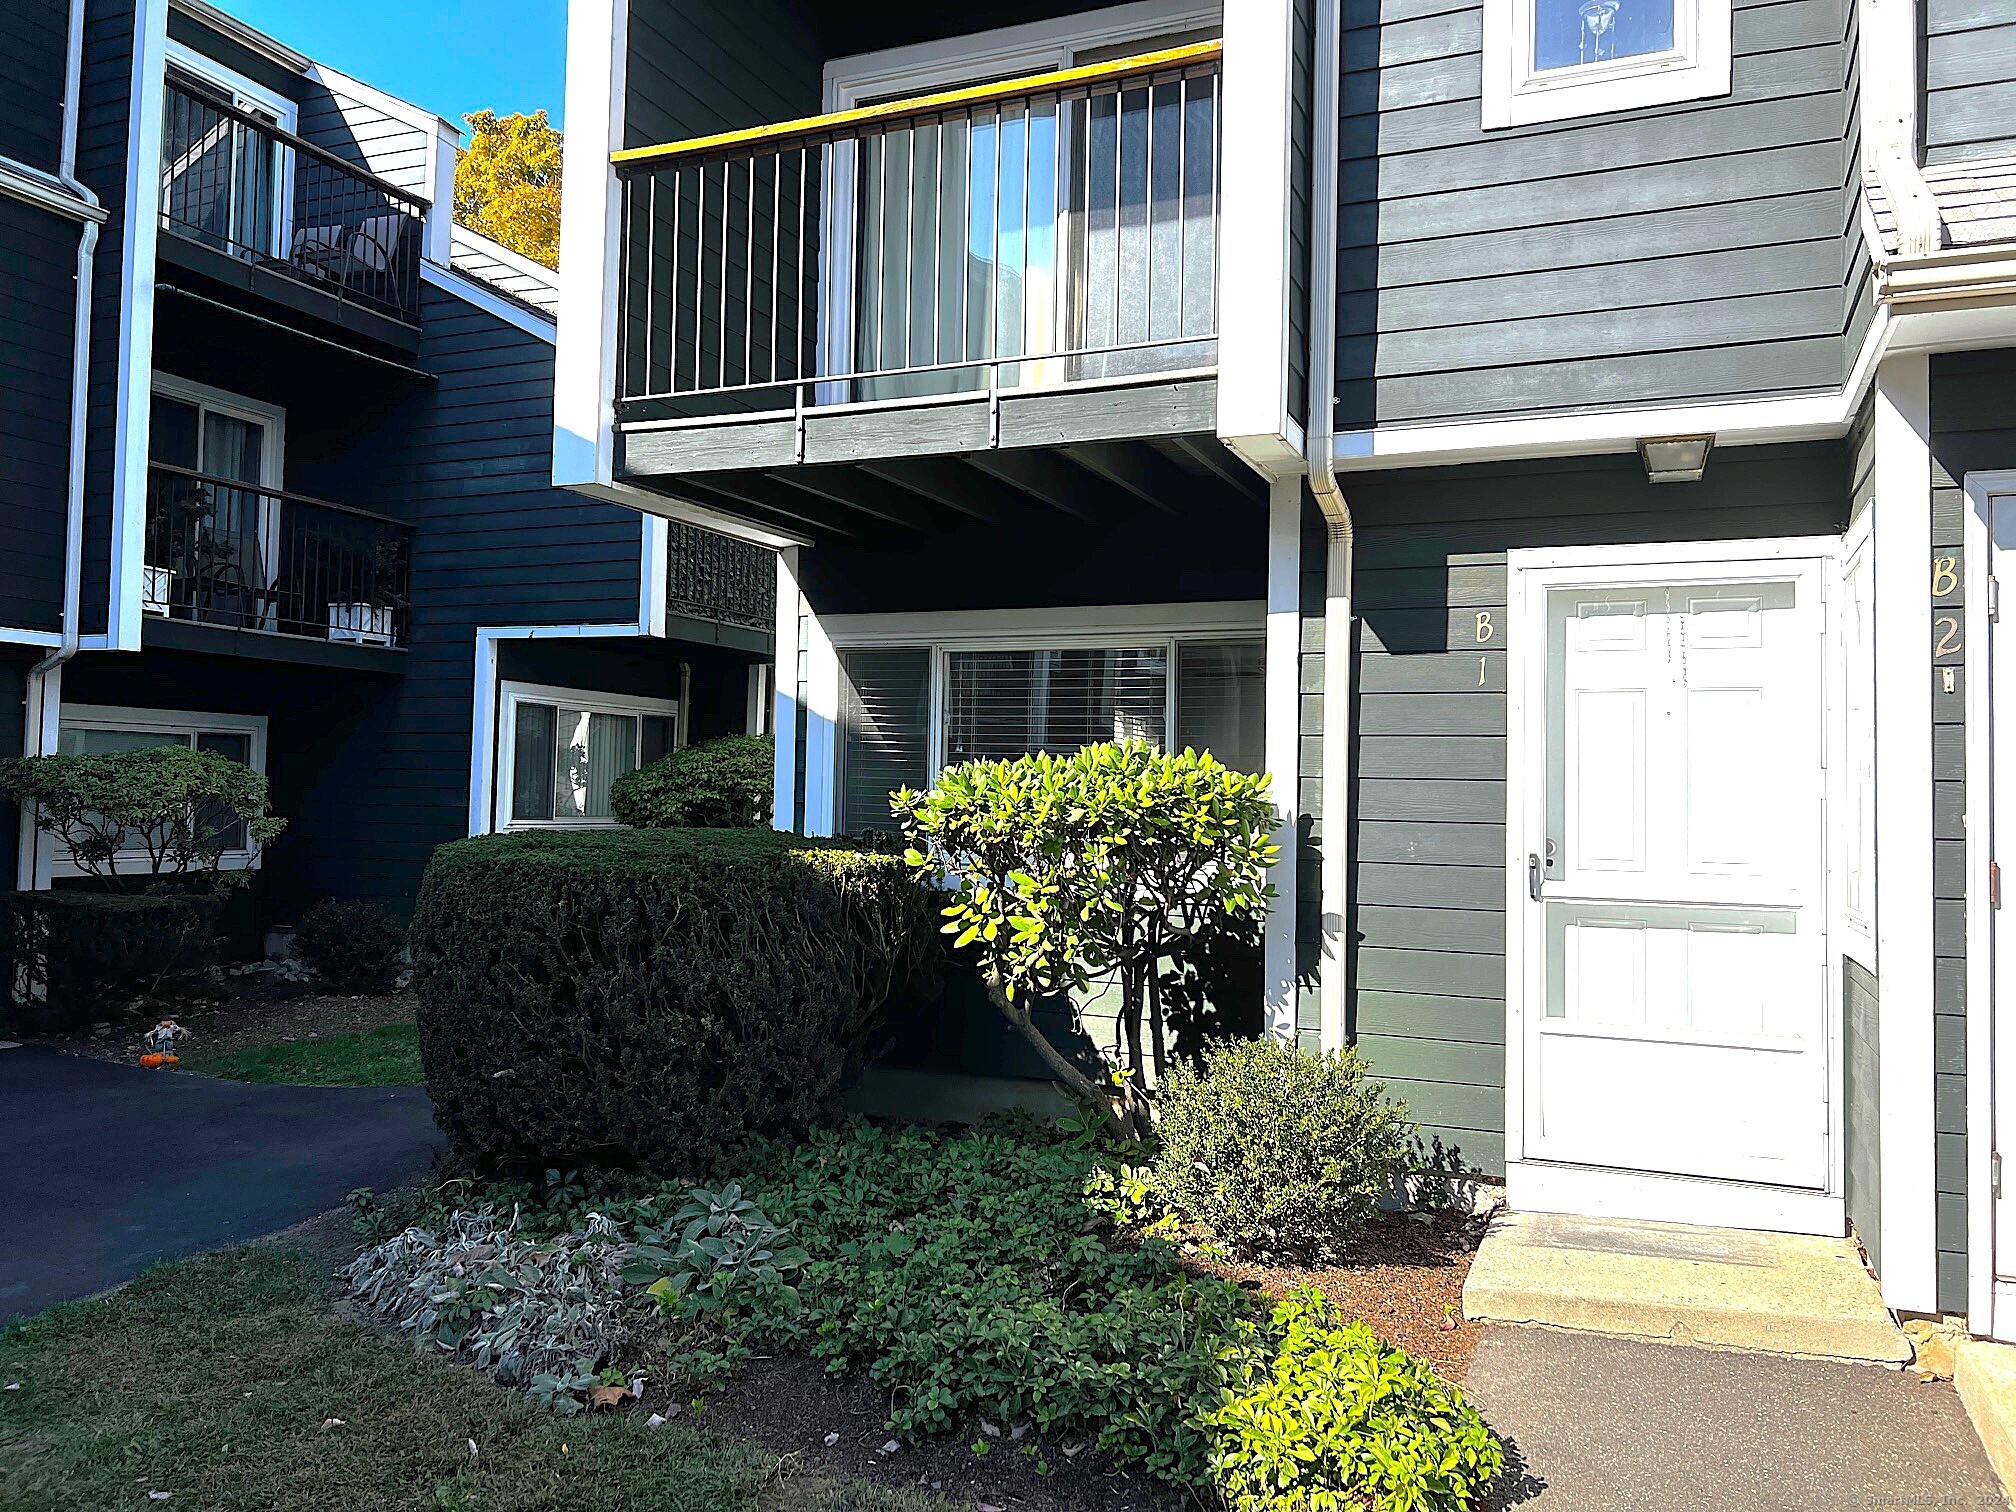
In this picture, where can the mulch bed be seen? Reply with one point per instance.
(1404, 1278)
(790, 1406)
(257, 1009)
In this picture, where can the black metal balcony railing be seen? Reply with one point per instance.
(1044, 230)
(713, 577)
(238, 183)
(222, 552)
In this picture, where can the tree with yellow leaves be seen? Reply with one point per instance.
(507, 183)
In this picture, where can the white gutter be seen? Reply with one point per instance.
(1320, 448)
(45, 679)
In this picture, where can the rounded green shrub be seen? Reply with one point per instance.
(354, 945)
(654, 996)
(75, 957)
(720, 784)
(1276, 1150)
(1336, 1421)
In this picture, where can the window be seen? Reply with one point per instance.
(998, 702)
(88, 730)
(211, 537)
(225, 180)
(562, 750)
(1552, 60)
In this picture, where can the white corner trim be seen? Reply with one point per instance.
(584, 389)
(136, 326)
(654, 548)
(1982, 653)
(1256, 210)
(1904, 911)
(1515, 94)
(1283, 725)
(784, 716)
(485, 695)
(487, 300)
(822, 728)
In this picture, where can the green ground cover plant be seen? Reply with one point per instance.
(231, 1384)
(388, 1056)
(1010, 1275)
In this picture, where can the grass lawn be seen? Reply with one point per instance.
(384, 1057)
(215, 1380)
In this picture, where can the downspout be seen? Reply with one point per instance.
(1320, 435)
(44, 702)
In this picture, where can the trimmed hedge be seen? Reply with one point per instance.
(654, 996)
(720, 784)
(75, 958)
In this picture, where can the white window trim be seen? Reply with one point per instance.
(512, 694)
(247, 94)
(272, 417)
(1697, 67)
(1005, 52)
(55, 862)
(1122, 626)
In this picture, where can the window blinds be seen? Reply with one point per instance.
(1002, 704)
(1221, 701)
(885, 716)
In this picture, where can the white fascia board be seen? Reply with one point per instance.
(136, 330)
(250, 38)
(487, 300)
(25, 182)
(584, 407)
(688, 513)
(1255, 213)
(1904, 911)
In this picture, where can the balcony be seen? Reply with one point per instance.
(233, 555)
(723, 581)
(1031, 263)
(277, 205)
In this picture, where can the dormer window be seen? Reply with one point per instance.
(1554, 60)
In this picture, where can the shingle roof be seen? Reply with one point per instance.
(1976, 199)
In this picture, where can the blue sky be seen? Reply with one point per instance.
(452, 56)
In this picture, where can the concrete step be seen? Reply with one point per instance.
(1985, 1375)
(1789, 1294)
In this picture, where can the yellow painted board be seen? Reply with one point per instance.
(951, 99)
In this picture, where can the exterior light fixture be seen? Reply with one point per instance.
(1675, 459)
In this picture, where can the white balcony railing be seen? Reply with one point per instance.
(1044, 230)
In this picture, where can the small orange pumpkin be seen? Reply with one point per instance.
(171, 1059)
(153, 1061)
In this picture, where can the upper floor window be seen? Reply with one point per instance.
(1553, 60)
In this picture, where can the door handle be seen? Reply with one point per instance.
(1533, 877)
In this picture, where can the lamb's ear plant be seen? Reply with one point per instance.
(1107, 862)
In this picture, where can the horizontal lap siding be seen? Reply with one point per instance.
(1685, 252)
(1861, 994)
(697, 68)
(392, 149)
(468, 461)
(1973, 430)
(104, 126)
(32, 67)
(1429, 925)
(38, 261)
(1970, 78)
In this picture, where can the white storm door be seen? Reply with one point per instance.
(1995, 801)
(1675, 894)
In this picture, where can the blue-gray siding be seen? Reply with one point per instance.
(1862, 1009)
(1970, 78)
(698, 67)
(31, 81)
(1428, 922)
(1973, 430)
(1684, 252)
(362, 134)
(38, 260)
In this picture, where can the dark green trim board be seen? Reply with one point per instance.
(1427, 925)
(1973, 430)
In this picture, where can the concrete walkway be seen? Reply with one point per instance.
(108, 1169)
(1604, 1424)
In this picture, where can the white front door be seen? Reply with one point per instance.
(1995, 498)
(1674, 1013)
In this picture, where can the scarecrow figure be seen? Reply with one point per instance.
(160, 1043)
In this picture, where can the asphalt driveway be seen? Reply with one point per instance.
(105, 1170)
